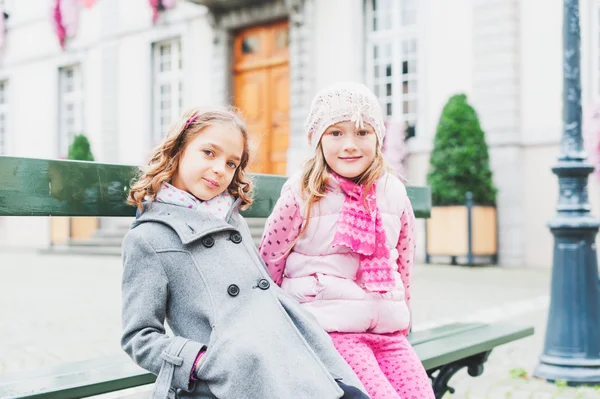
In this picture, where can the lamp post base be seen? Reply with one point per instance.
(573, 373)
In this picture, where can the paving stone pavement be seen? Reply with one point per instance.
(63, 308)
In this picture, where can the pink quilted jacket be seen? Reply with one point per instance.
(322, 277)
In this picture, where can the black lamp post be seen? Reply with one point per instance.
(572, 346)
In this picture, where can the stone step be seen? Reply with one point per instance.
(256, 222)
(119, 222)
(256, 232)
(256, 227)
(98, 241)
(82, 250)
(110, 233)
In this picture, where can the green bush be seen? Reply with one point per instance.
(459, 161)
(80, 149)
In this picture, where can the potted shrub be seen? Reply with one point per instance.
(80, 149)
(463, 219)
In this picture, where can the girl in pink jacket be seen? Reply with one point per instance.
(341, 242)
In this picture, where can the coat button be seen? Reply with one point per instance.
(233, 290)
(236, 237)
(263, 284)
(208, 241)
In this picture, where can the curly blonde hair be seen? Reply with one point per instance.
(166, 156)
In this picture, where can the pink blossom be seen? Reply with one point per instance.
(158, 5)
(395, 150)
(69, 10)
(65, 15)
(87, 3)
(58, 24)
(168, 3)
(155, 4)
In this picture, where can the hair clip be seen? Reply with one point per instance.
(189, 121)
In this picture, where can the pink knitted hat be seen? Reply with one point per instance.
(340, 102)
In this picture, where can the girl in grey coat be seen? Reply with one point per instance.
(189, 258)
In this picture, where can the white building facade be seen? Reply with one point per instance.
(122, 79)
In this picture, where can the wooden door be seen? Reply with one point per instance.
(261, 92)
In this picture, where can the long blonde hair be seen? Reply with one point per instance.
(316, 174)
(166, 156)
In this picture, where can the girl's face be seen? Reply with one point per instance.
(209, 161)
(349, 151)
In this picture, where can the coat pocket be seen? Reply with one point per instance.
(207, 357)
(338, 288)
(302, 289)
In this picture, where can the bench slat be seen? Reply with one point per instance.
(435, 347)
(420, 199)
(41, 187)
(76, 380)
(467, 343)
(420, 337)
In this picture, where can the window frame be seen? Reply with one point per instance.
(70, 106)
(397, 47)
(172, 78)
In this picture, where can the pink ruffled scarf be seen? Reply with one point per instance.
(361, 229)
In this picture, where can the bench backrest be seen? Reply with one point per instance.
(42, 187)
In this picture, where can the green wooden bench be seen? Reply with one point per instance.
(37, 187)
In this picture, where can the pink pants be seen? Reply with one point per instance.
(387, 365)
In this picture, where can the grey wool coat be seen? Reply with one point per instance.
(205, 278)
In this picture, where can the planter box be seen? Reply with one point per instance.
(63, 229)
(84, 227)
(462, 231)
(60, 230)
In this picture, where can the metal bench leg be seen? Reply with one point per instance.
(440, 381)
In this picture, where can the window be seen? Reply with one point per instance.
(3, 118)
(167, 99)
(70, 111)
(392, 50)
